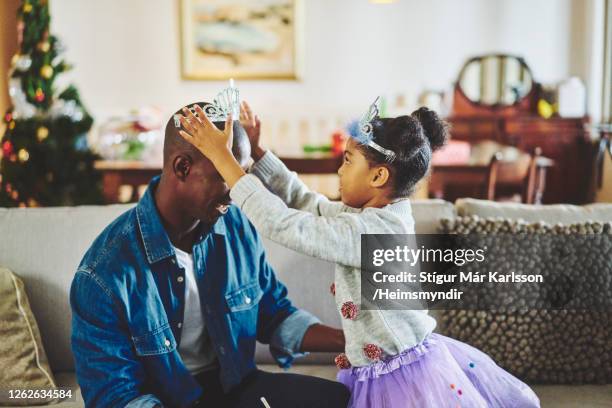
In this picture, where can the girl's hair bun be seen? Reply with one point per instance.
(436, 129)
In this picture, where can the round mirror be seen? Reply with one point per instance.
(495, 80)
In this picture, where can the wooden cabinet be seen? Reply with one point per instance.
(563, 140)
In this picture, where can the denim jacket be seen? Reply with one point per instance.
(127, 300)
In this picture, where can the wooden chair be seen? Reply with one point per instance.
(525, 176)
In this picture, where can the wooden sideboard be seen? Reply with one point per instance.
(565, 141)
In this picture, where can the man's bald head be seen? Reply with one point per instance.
(175, 144)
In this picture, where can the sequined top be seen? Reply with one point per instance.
(284, 210)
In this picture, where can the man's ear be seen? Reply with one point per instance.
(379, 176)
(181, 166)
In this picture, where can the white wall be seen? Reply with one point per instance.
(126, 52)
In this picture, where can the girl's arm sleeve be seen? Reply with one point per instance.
(291, 190)
(333, 238)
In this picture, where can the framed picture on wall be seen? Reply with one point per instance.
(242, 39)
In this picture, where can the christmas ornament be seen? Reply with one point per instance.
(22, 109)
(12, 125)
(7, 148)
(40, 95)
(22, 62)
(27, 8)
(342, 361)
(42, 133)
(8, 117)
(44, 46)
(23, 155)
(46, 71)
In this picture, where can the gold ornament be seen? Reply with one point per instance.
(32, 202)
(46, 71)
(14, 195)
(12, 124)
(23, 155)
(27, 8)
(42, 133)
(44, 46)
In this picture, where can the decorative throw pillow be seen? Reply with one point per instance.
(24, 363)
(543, 345)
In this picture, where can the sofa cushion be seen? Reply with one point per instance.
(24, 362)
(552, 214)
(428, 213)
(44, 247)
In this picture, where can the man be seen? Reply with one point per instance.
(169, 300)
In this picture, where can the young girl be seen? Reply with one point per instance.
(392, 358)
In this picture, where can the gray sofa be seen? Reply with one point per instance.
(44, 246)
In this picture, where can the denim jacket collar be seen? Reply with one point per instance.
(154, 237)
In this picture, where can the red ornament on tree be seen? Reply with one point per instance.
(372, 351)
(8, 117)
(349, 310)
(342, 361)
(7, 148)
(40, 96)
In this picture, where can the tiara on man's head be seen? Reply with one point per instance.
(364, 133)
(225, 104)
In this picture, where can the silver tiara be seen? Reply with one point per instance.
(225, 104)
(365, 132)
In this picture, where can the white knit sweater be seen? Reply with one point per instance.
(288, 213)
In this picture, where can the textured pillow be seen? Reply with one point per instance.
(565, 214)
(539, 346)
(24, 363)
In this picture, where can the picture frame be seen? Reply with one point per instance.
(241, 39)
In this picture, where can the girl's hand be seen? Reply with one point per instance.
(252, 125)
(212, 142)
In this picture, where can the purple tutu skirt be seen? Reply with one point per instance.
(440, 372)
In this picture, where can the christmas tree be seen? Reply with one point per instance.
(44, 159)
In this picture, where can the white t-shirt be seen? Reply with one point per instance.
(195, 348)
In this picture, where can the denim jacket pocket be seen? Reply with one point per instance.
(158, 341)
(244, 298)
